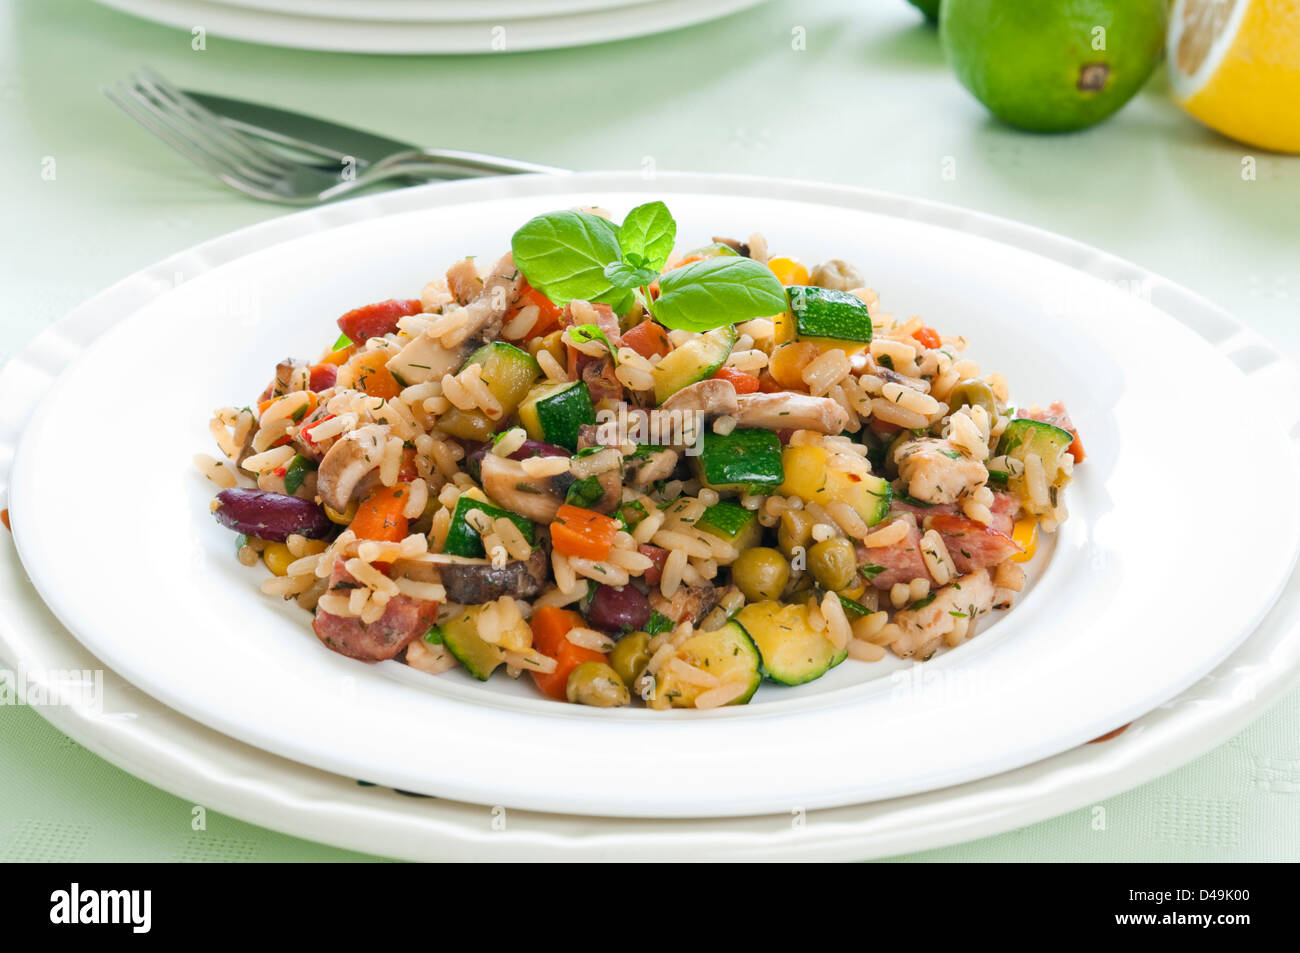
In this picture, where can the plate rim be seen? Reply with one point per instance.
(468, 194)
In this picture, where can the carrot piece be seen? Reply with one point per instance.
(379, 516)
(339, 357)
(569, 657)
(927, 337)
(1075, 449)
(742, 382)
(583, 533)
(548, 313)
(647, 339)
(370, 375)
(550, 625)
(4, 518)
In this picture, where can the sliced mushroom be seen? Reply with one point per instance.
(712, 397)
(538, 499)
(689, 603)
(473, 584)
(791, 411)
(837, 275)
(347, 462)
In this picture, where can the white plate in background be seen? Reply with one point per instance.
(487, 35)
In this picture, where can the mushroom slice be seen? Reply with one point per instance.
(474, 584)
(788, 410)
(711, 397)
(348, 461)
(506, 483)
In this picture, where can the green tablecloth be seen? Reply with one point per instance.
(868, 101)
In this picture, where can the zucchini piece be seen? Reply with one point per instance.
(793, 651)
(745, 461)
(508, 373)
(730, 521)
(552, 413)
(296, 472)
(460, 635)
(825, 317)
(712, 250)
(696, 360)
(728, 652)
(463, 539)
(809, 476)
(1025, 436)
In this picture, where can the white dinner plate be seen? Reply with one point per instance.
(435, 11)
(481, 35)
(1114, 627)
(142, 736)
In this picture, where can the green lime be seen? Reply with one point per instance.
(929, 7)
(1053, 65)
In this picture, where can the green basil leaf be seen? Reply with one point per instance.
(658, 623)
(648, 232)
(625, 275)
(563, 255)
(715, 292)
(590, 332)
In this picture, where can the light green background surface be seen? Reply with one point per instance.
(868, 102)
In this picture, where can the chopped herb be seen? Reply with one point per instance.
(871, 570)
(658, 623)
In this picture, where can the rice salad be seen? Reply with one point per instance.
(640, 476)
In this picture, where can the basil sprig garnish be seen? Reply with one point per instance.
(572, 255)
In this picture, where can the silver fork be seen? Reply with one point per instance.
(256, 166)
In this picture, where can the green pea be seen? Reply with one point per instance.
(833, 563)
(761, 573)
(629, 656)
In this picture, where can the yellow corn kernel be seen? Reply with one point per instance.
(788, 271)
(1025, 534)
(277, 558)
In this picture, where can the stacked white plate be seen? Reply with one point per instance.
(430, 26)
(224, 696)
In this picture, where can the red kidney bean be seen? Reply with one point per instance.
(272, 516)
(618, 609)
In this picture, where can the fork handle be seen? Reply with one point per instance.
(435, 161)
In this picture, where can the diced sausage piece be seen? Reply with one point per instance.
(376, 320)
(971, 544)
(901, 562)
(404, 620)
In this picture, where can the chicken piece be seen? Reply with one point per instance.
(935, 471)
(923, 628)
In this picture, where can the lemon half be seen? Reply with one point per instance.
(1235, 66)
